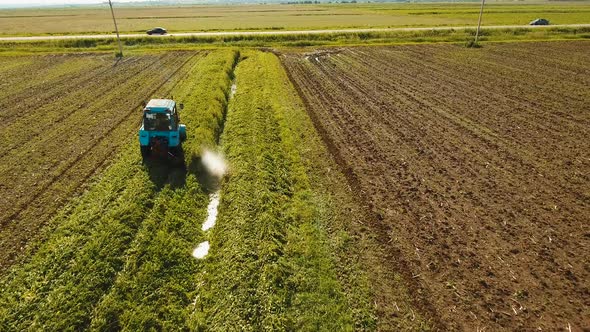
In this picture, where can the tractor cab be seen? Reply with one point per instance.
(161, 133)
(158, 121)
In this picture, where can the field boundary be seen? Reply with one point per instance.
(301, 41)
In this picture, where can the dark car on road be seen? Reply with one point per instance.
(539, 21)
(157, 31)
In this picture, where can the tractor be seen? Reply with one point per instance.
(161, 133)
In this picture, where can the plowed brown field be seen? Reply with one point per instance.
(475, 164)
(63, 118)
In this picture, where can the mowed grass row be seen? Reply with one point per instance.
(160, 276)
(273, 263)
(59, 286)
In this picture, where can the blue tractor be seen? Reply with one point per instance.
(161, 133)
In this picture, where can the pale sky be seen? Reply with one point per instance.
(47, 2)
(56, 2)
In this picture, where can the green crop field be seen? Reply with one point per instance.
(338, 181)
(85, 20)
(133, 230)
(283, 254)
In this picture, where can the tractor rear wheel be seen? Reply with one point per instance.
(177, 157)
(145, 151)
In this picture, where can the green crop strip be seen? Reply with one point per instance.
(74, 267)
(270, 266)
(160, 275)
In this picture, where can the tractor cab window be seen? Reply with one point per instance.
(157, 121)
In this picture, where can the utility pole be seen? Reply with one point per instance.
(117, 31)
(478, 22)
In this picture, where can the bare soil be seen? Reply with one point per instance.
(475, 164)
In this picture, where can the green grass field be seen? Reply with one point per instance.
(284, 17)
(284, 254)
(105, 238)
(125, 233)
(139, 45)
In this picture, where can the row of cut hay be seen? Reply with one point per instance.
(270, 265)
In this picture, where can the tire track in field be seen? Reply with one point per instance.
(30, 102)
(526, 90)
(434, 127)
(552, 58)
(482, 83)
(12, 65)
(430, 182)
(75, 97)
(379, 157)
(34, 69)
(467, 126)
(44, 89)
(418, 116)
(43, 81)
(383, 230)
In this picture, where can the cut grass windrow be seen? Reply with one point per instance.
(271, 265)
(160, 276)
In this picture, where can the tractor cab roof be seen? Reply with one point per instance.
(160, 105)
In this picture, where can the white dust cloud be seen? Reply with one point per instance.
(214, 163)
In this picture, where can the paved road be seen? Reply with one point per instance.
(281, 32)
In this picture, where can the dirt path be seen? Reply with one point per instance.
(290, 32)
